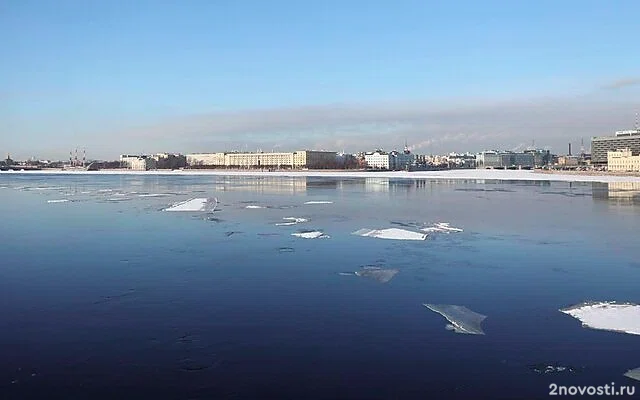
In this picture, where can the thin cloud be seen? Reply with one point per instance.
(364, 127)
(622, 83)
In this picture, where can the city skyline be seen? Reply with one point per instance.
(114, 78)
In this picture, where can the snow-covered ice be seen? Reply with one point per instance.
(633, 374)
(318, 202)
(253, 207)
(607, 315)
(291, 221)
(391, 233)
(198, 204)
(153, 195)
(58, 201)
(311, 235)
(462, 174)
(461, 318)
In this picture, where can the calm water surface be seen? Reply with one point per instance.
(108, 296)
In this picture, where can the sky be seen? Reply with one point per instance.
(146, 76)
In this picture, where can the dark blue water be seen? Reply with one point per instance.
(108, 296)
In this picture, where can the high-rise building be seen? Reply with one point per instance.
(629, 139)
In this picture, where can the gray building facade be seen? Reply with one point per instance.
(622, 140)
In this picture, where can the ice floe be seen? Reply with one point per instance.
(292, 221)
(461, 318)
(377, 273)
(199, 204)
(58, 201)
(311, 235)
(551, 368)
(441, 227)
(153, 194)
(49, 188)
(318, 202)
(633, 374)
(607, 315)
(391, 233)
(253, 207)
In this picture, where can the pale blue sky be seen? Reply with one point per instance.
(125, 76)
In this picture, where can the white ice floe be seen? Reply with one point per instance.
(318, 202)
(49, 188)
(198, 204)
(608, 316)
(461, 318)
(153, 194)
(252, 207)
(311, 235)
(391, 233)
(58, 201)
(291, 221)
(105, 190)
(633, 374)
(441, 227)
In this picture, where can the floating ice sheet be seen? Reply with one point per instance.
(607, 315)
(253, 207)
(441, 227)
(152, 194)
(633, 374)
(376, 273)
(318, 202)
(291, 221)
(58, 201)
(552, 368)
(311, 235)
(461, 318)
(391, 233)
(199, 204)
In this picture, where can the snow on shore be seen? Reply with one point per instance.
(469, 174)
(608, 316)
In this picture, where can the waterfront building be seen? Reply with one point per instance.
(623, 161)
(138, 162)
(540, 157)
(392, 161)
(568, 161)
(206, 159)
(296, 159)
(629, 139)
(170, 161)
(504, 159)
(377, 160)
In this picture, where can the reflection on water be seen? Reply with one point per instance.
(618, 192)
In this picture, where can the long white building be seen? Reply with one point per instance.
(295, 160)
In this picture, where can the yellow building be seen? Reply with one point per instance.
(623, 161)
